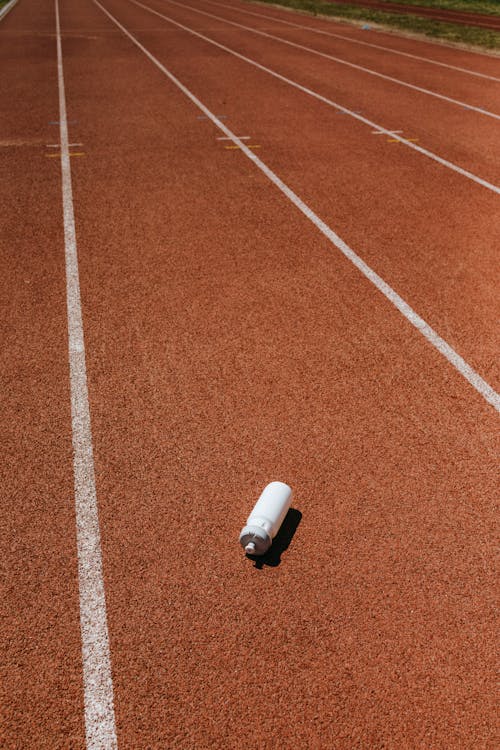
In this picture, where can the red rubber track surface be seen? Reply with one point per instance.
(229, 344)
(41, 684)
(374, 214)
(440, 14)
(466, 138)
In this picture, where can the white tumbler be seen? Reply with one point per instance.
(266, 518)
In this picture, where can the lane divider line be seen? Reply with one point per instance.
(386, 132)
(341, 61)
(231, 148)
(6, 9)
(329, 102)
(241, 137)
(58, 145)
(358, 41)
(100, 726)
(475, 380)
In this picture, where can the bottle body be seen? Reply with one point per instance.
(266, 518)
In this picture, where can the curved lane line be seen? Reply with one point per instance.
(330, 102)
(353, 41)
(339, 60)
(100, 727)
(477, 382)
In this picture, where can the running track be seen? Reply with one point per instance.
(228, 341)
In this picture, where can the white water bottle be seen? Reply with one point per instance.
(266, 518)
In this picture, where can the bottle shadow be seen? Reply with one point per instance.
(281, 541)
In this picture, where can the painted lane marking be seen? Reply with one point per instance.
(58, 145)
(237, 147)
(341, 61)
(241, 137)
(329, 102)
(20, 144)
(58, 122)
(366, 44)
(386, 132)
(56, 156)
(221, 117)
(97, 682)
(477, 382)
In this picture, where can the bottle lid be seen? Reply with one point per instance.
(257, 537)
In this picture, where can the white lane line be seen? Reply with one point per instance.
(384, 132)
(226, 138)
(477, 382)
(7, 8)
(97, 682)
(356, 41)
(341, 61)
(58, 145)
(329, 102)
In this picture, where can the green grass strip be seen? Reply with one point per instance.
(488, 7)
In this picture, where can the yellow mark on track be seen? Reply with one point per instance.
(57, 156)
(11, 144)
(396, 140)
(234, 148)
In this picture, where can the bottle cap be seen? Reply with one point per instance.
(256, 536)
